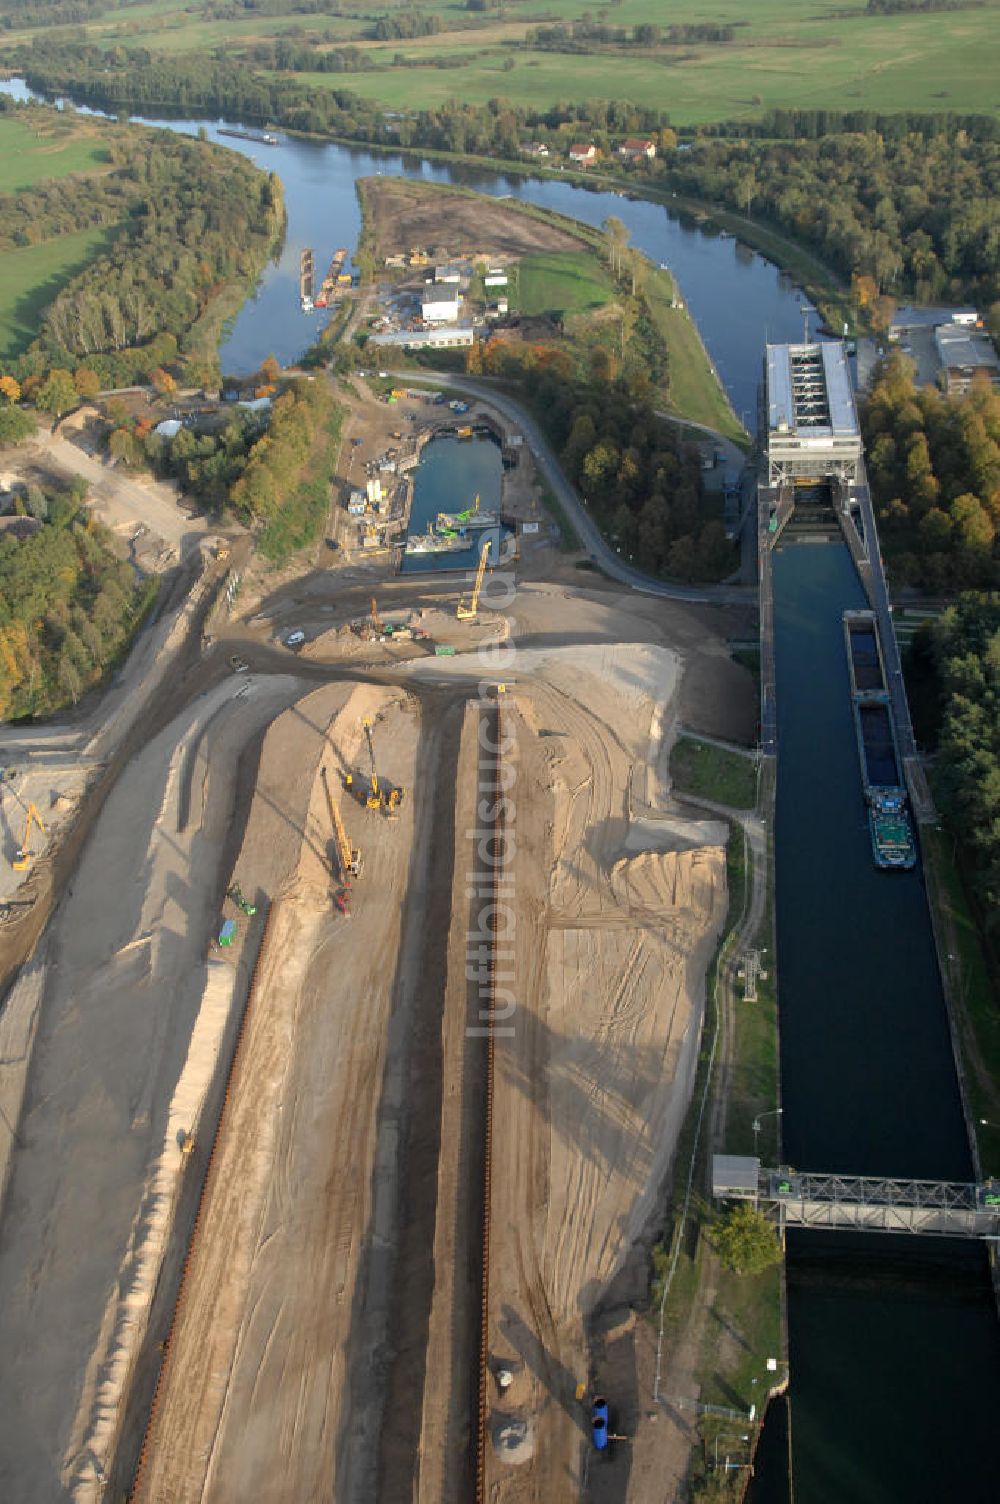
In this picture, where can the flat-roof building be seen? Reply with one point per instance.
(812, 424)
(450, 337)
(964, 354)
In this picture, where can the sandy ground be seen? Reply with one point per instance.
(324, 1344)
(405, 214)
(592, 1087)
(137, 507)
(260, 1398)
(119, 986)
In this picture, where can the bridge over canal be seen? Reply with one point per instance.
(860, 1203)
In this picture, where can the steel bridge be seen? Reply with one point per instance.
(861, 1203)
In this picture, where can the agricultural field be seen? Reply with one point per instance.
(799, 53)
(32, 151)
(32, 277)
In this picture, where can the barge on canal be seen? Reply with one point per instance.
(893, 843)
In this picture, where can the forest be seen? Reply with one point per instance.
(642, 486)
(68, 604)
(934, 468)
(195, 221)
(963, 646)
(919, 215)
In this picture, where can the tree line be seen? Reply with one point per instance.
(934, 467)
(642, 486)
(260, 466)
(963, 650)
(194, 220)
(68, 604)
(919, 215)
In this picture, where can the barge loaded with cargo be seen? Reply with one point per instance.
(307, 278)
(893, 844)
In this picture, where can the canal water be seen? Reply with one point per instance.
(894, 1344)
(451, 474)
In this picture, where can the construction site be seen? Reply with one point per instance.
(353, 1011)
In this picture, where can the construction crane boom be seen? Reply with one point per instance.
(376, 619)
(471, 611)
(22, 859)
(374, 794)
(349, 858)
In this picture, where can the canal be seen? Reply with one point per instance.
(894, 1344)
(451, 474)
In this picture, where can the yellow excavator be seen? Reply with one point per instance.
(379, 796)
(348, 856)
(22, 861)
(471, 611)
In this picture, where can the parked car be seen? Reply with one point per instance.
(295, 639)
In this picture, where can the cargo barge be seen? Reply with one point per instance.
(307, 278)
(334, 277)
(893, 844)
(263, 138)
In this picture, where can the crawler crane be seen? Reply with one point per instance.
(471, 611)
(380, 795)
(348, 857)
(22, 860)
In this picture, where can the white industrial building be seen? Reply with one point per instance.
(812, 424)
(439, 305)
(453, 337)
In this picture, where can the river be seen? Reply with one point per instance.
(894, 1344)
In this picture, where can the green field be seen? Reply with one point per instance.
(29, 154)
(786, 57)
(695, 391)
(560, 282)
(30, 279)
(711, 772)
(807, 53)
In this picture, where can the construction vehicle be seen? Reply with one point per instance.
(227, 934)
(471, 611)
(377, 625)
(380, 795)
(236, 894)
(348, 857)
(22, 859)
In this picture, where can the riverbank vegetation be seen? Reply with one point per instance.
(131, 268)
(954, 661)
(934, 467)
(68, 604)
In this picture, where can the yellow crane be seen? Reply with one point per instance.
(471, 611)
(349, 857)
(23, 858)
(380, 796)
